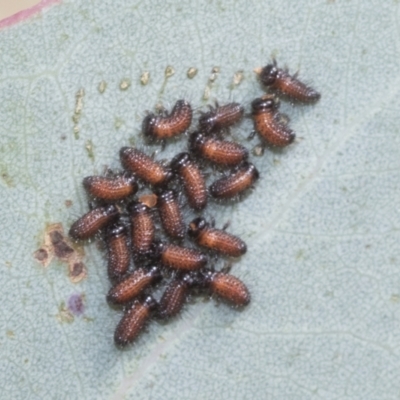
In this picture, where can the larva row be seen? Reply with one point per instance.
(130, 225)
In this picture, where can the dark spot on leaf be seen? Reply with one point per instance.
(75, 304)
(41, 255)
(77, 268)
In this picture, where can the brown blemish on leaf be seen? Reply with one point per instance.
(61, 249)
(10, 334)
(57, 245)
(41, 255)
(77, 271)
(64, 315)
(68, 203)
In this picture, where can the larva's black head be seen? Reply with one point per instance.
(136, 207)
(268, 74)
(155, 273)
(196, 226)
(180, 161)
(165, 196)
(196, 140)
(116, 230)
(264, 104)
(129, 177)
(148, 125)
(149, 302)
(250, 168)
(111, 211)
(156, 249)
(180, 104)
(208, 120)
(125, 152)
(87, 181)
(205, 277)
(190, 279)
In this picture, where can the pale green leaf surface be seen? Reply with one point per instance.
(322, 226)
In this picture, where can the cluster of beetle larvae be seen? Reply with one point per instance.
(129, 225)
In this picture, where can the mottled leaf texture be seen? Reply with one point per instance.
(322, 225)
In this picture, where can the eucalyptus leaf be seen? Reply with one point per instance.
(322, 225)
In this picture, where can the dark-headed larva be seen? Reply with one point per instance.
(280, 80)
(159, 127)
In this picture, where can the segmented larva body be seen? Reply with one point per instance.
(92, 222)
(174, 124)
(170, 214)
(119, 253)
(133, 321)
(281, 81)
(267, 125)
(216, 239)
(132, 285)
(142, 166)
(221, 117)
(177, 257)
(110, 188)
(220, 152)
(142, 227)
(228, 287)
(232, 185)
(192, 179)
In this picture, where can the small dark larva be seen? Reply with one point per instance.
(170, 214)
(174, 296)
(119, 254)
(133, 321)
(193, 180)
(133, 285)
(236, 183)
(91, 222)
(220, 152)
(216, 239)
(110, 188)
(267, 125)
(221, 117)
(174, 124)
(144, 167)
(142, 227)
(228, 287)
(279, 79)
(177, 257)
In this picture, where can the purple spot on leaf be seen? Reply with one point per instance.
(75, 304)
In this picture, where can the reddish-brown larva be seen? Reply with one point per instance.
(91, 222)
(174, 296)
(267, 124)
(142, 227)
(110, 188)
(193, 180)
(228, 287)
(142, 166)
(132, 285)
(280, 80)
(119, 254)
(170, 214)
(216, 239)
(232, 185)
(165, 127)
(133, 321)
(221, 117)
(220, 152)
(177, 257)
